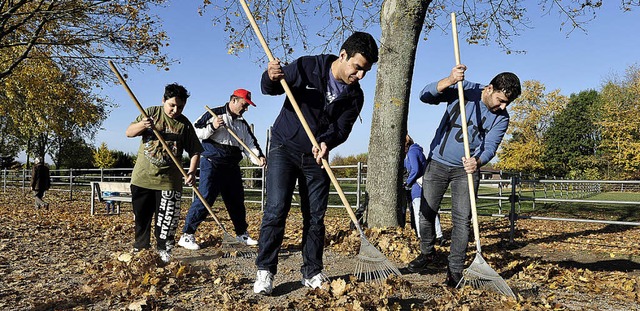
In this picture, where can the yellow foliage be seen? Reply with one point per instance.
(531, 115)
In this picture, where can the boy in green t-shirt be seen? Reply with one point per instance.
(156, 182)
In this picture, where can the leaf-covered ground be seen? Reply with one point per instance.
(65, 259)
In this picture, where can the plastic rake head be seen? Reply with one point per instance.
(372, 265)
(480, 275)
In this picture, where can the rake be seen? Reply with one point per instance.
(479, 274)
(235, 136)
(240, 250)
(372, 264)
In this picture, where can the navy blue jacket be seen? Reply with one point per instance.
(330, 123)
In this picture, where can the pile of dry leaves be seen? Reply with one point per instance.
(65, 259)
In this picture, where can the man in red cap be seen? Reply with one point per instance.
(219, 166)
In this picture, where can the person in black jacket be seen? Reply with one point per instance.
(40, 181)
(328, 93)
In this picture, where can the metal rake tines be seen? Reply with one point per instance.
(372, 264)
(239, 254)
(232, 248)
(480, 275)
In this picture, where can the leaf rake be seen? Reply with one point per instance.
(372, 265)
(228, 241)
(479, 274)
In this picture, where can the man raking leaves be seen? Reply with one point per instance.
(456, 162)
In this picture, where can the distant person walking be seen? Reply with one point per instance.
(219, 166)
(40, 181)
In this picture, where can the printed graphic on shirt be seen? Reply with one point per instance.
(454, 125)
(153, 150)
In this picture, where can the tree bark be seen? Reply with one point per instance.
(401, 22)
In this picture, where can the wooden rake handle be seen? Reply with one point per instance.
(164, 144)
(236, 136)
(465, 135)
(305, 125)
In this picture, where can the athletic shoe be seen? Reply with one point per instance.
(188, 241)
(315, 282)
(246, 239)
(165, 256)
(264, 283)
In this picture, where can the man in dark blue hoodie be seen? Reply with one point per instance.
(327, 91)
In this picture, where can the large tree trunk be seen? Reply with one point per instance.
(401, 22)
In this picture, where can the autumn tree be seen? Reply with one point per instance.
(620, 123)
(44, 103)
(9, 142)
(572, 140)
(286, 26)
(103, 157)
(530, 118)
(79, 35)
(350, 172)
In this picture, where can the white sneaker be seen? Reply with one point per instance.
(315, 282)
(165, 256)
(246, 239)
(188, 241)
(264, 283)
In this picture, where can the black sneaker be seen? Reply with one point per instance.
(453, 278)
(441, 241)
(420, 263)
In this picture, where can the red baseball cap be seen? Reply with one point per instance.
(244, 94)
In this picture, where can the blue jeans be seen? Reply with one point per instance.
(437, 178)
(218, 176)
(284, 169)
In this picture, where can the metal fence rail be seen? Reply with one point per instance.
(498, 189)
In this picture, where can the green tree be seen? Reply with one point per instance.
(531, 115)
(620, 124)
(123, 160)
(571, 141)
(401, 22)
(75, 153)
(103, 157)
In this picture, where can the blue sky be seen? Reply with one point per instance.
(571, 63)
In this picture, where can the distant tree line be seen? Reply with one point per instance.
(589, 135)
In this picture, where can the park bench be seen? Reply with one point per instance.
(122, 191)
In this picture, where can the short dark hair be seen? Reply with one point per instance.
(175, 90)
(363, 43)
(508, 83)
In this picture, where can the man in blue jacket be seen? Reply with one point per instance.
(327, 91)
(487, 122)
(219, 166)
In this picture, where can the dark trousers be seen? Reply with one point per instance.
(218, 177)
(38, 194)
(284, 169)
(437, 179)
(160, 206)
